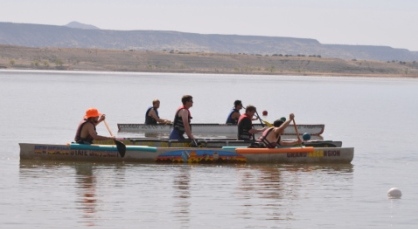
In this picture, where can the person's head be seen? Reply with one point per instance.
(187, 100)
(250, 110)
(92, 114)
(156, 103)
(238, 104)
(278, 123)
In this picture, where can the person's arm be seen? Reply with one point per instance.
(185, 117)
(281, 130)
(94, 135)
(153, 114)
(101, 119)
(253, 130)
(235, 116)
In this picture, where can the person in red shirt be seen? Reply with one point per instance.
(246, 130)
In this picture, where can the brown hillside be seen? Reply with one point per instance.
(13, 57)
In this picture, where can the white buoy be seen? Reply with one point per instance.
(394, 193)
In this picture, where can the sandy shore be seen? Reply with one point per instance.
(12, 57)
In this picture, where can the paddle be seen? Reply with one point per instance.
(267, 123)
(119, 145)
(258, 116)
(296, 129)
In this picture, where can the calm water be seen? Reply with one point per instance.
(376, 116)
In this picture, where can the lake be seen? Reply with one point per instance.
(377, 116)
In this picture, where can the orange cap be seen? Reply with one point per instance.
(92, 112)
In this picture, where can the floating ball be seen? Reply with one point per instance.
(306, 137)
(394, 193)
(265, 113)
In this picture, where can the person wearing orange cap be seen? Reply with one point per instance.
(86, 131)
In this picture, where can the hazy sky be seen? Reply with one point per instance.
(361, 22)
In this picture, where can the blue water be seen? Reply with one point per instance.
(377, 116)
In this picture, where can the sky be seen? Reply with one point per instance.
(353, 22)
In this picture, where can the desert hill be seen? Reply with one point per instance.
(77, 35)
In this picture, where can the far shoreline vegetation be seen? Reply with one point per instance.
(174, 61)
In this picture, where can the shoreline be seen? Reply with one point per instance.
(143, 61)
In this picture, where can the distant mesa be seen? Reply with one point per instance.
(78, 25)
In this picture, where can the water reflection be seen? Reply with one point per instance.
(279, 189)
(181, 185)
(86, 183)
(264, 195)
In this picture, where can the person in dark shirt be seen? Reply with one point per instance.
(245, 124)
(182, 118)
(151, 115)
(233, 116)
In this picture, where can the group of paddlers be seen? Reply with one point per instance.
(270, 137)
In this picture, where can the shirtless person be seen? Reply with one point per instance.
(271, 137)
(86, 131)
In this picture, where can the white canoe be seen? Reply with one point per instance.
(213, 128)
(150, 154)
(207, 143)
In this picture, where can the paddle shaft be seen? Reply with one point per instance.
(107, 127)
(296, 129)
(120, 146)
(258, 116)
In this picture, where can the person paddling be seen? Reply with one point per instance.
(245, 124)
(151, 115)
(271, 137)
(86, 131)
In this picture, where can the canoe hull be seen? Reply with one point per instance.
(148, 154)
(213, 128)
(206, 143)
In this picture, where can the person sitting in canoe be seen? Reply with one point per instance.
(86, 131)
(152, 117)
(245, 124)
(234, 114)
(271, 137)
(181, 123)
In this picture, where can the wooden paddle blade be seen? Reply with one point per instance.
(121, 148)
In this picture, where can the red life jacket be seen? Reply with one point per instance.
(243, 131)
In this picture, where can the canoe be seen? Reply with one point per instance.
(152, 154)
(214, 128)
(207, 143)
